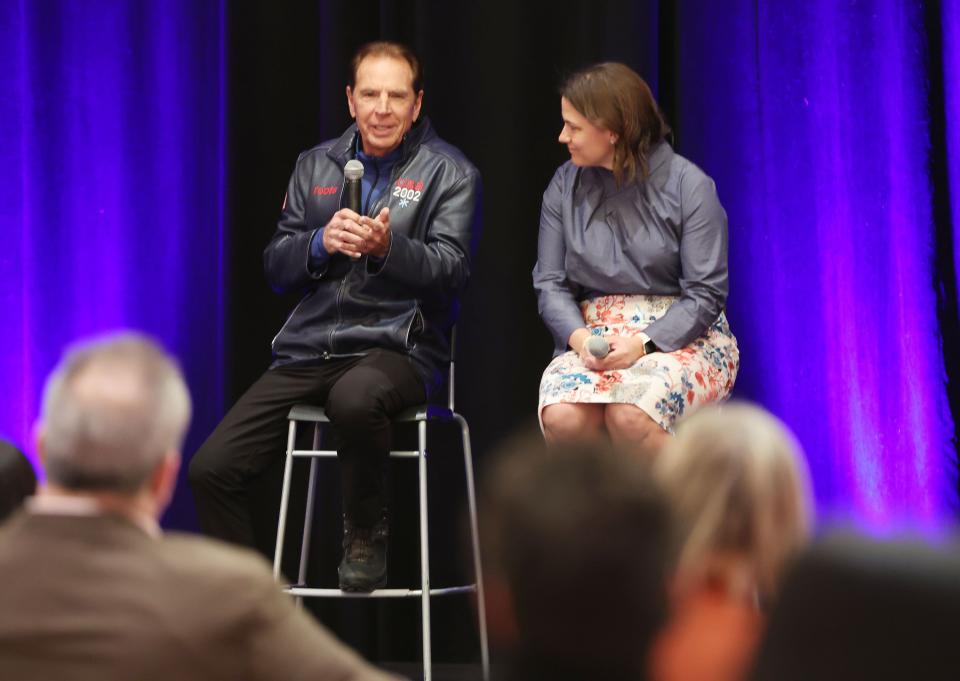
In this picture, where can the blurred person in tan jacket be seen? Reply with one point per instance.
(90, 588)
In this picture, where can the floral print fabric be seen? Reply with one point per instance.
(665, 385)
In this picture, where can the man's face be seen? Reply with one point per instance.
(383, 103)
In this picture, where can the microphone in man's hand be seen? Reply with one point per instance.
(352, 173)
(598, 346)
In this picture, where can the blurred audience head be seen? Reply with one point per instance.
(114, 411)
(854, 608)
(575, 548)
(739, 492)
(17, 479)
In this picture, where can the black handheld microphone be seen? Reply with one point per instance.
(352, 172)
(598, 346)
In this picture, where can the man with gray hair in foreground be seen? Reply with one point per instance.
(89, 586)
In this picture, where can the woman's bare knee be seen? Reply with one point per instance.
(568, 421)
(628, 424)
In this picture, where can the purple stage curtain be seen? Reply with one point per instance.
(813, 119)
(112, 177)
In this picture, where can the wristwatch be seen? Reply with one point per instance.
(649, 347)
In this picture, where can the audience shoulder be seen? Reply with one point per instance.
(211, 563)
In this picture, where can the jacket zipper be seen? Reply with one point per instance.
(375, 181)
(343, 282)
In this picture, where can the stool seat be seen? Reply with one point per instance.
(421, 412)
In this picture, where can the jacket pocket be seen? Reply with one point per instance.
(414, 329)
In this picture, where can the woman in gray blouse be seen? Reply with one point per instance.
(633, 251)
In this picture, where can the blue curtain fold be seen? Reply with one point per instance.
(112, 191)
(812, 117)
(950, 35)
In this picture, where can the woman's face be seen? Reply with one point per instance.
(588, 145)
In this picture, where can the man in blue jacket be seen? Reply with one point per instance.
(371, 334)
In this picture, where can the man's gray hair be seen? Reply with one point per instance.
(112, 409)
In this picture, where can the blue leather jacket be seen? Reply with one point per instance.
(407, 302)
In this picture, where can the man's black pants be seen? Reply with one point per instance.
(360, 395)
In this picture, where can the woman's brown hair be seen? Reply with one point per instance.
(612, 96)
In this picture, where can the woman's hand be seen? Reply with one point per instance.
(578, 343)
(624, 352)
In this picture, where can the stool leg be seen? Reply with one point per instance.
(308, 514)
(424, 553)
(284, 499)
(475, 543)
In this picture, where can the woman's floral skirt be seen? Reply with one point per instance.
(665, 385)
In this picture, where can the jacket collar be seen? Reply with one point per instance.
(343, 149)
(79, 505)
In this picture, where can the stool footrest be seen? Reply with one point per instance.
(332, 453)
(305, 592)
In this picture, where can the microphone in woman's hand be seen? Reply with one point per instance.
(598, 346)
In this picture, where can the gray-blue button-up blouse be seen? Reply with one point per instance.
(665, 236)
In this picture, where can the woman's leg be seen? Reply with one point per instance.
(572, 421)
(630, 425)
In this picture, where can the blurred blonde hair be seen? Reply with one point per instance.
(738, 486)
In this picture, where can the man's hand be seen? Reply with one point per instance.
(342, 233)
(369, 236)
(378, 237)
